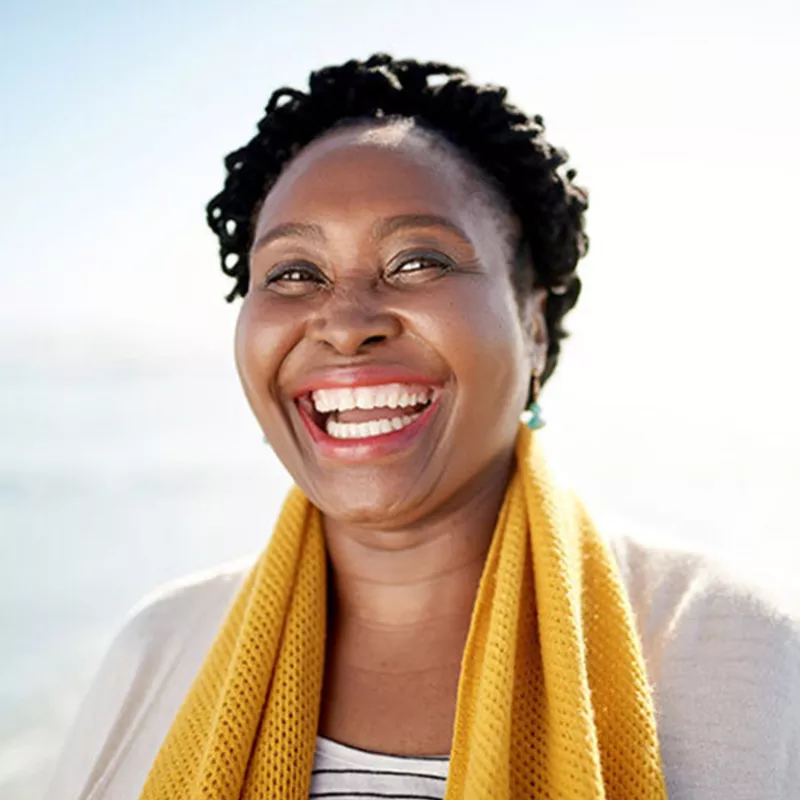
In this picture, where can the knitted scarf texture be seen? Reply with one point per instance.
(553, 701)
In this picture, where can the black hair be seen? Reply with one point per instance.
(507, 146)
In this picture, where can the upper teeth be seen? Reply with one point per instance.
(391, 395)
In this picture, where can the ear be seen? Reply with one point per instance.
(535, 326)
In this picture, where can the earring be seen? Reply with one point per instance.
(532, 416)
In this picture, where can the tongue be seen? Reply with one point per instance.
(369, 414)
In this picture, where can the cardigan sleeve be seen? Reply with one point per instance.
(723, 657)
(139, 688)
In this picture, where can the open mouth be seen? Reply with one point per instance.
(363, 412)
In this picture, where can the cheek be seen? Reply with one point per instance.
(478, 332)
(260, 345)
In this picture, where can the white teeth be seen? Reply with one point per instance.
(364, 398)
(334, 400)
(361, 430)
(392, 395)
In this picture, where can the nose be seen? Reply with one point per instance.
(351, 323)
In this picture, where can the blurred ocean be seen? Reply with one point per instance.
(119, 472)
(116, 474)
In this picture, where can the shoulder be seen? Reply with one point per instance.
(184, 605)
(723, 654)
(141, 683)
(178, 619)
(682, 594)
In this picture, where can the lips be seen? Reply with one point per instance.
(367, 412)
(349, 377)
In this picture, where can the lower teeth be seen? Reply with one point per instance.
(362, 430)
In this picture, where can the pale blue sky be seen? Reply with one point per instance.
(681, 118)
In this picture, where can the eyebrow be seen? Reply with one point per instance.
(387, 227)
(298, 230)
(381, 229)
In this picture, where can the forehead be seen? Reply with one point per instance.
(372, 171)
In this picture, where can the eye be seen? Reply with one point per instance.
(420, 266)
(294, 279)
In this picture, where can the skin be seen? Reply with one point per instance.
(406, 534)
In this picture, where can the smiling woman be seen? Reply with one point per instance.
(433, 616)
(404, 281)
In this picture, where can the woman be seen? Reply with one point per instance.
(433, 616)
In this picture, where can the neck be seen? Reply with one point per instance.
(400, 612)
(421, 577)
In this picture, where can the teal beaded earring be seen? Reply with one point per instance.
(532, 416)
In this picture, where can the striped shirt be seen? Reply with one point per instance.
(345, 772)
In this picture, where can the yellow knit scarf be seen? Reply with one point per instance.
(553, 701)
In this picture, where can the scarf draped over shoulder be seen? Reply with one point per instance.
(553, 700)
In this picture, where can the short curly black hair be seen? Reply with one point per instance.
(508, 146)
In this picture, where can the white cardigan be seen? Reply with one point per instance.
(723, 659)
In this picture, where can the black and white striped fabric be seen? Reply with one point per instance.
(344, 772)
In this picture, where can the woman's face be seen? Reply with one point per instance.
(381, 345)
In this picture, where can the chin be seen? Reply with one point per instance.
(380, 502)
